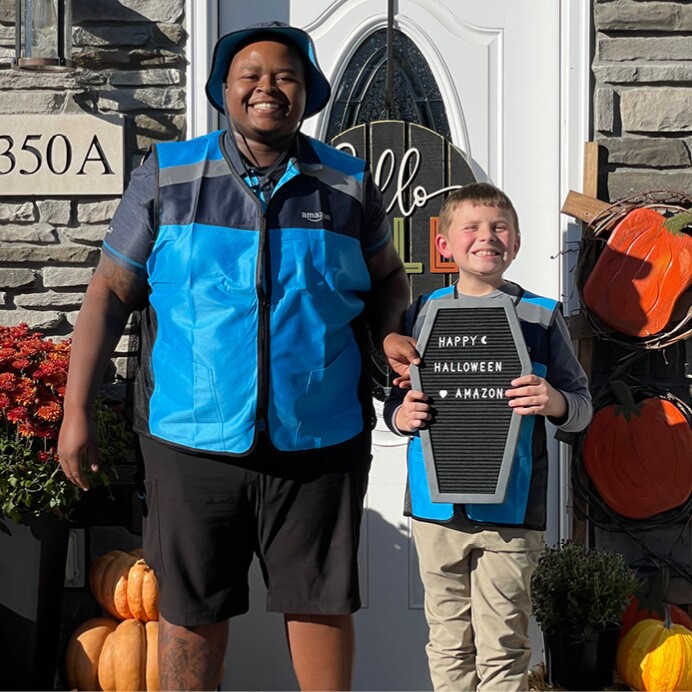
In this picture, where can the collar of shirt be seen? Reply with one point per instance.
(255, 177)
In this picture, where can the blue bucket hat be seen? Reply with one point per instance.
(318, 88)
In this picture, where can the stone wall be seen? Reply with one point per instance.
(643, 95)
(642, 114)
(130, 60)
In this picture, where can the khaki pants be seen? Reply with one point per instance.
(477, 604)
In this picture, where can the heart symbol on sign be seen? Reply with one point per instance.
(443, 393)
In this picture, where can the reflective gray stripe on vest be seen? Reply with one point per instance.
(335, 179)
(534, 313)
(189, 172)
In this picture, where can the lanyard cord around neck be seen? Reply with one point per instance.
(265, 184)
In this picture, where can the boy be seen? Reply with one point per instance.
(476, 560)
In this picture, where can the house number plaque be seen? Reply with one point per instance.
(61, 155)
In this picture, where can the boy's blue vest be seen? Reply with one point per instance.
(529, 470)
(251, 321)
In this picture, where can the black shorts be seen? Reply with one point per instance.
(300, 513)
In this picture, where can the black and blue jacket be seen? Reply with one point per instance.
(256, 307)
(552, 357)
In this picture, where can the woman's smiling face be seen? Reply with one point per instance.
(266, 92)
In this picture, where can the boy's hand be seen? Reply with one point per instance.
(401, 354)
(532, 395)
(414, 412)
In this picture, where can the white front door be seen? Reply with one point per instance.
(512, 75)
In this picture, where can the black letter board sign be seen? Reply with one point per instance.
(471, 349)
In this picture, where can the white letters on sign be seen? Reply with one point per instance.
(61, 155)
(385, 170)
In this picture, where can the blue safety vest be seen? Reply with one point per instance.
(254, 309)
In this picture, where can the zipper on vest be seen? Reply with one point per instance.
(262, 280)
(263, 290)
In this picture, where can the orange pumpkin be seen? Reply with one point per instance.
(638, 455)
(125, 586)
(656, 655)
(636, 612)
(83, 653)
(641, 272)
(106, 655)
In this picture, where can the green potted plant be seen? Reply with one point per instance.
(578, 596)
(36, 498)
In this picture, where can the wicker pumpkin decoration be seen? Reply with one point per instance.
(106, 655)
(125, 586)
(656, 655)
(638, 454)
(641, 272)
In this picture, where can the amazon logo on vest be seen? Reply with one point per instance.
(315, 216)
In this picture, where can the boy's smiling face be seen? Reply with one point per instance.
(483, 241)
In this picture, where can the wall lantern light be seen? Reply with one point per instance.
(43, 31)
